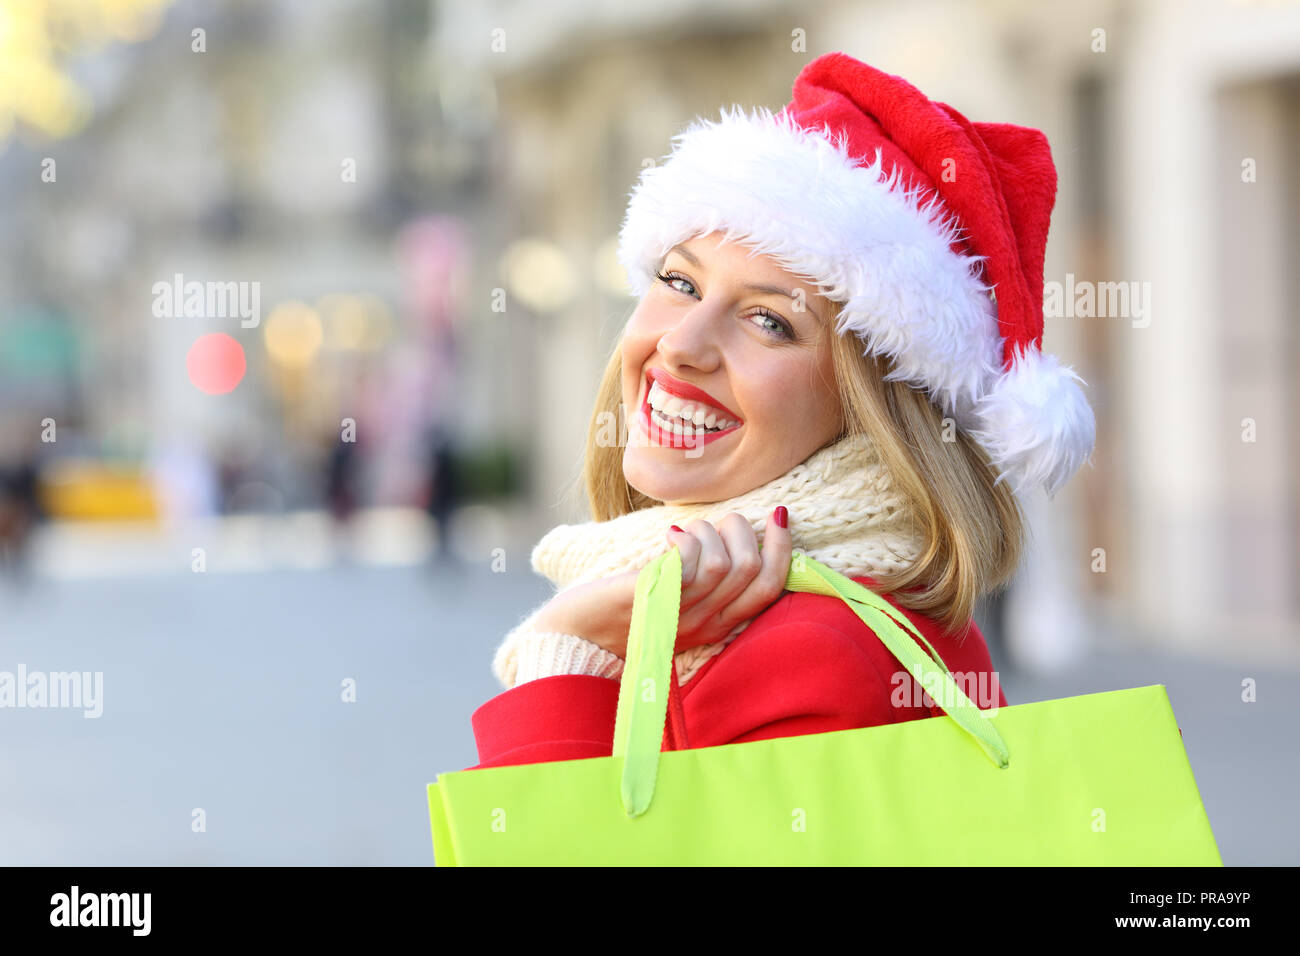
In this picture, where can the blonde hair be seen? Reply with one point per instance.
(972, 530)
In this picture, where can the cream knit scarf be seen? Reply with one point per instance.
(844, 512)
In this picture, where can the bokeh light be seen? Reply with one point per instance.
(608, 271)
(293, 334)
(539, 275)
(215, 363)
(36, 35)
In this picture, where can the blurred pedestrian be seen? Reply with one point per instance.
(19, 513)
(342, 480)
(442, 488)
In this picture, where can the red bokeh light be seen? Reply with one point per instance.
(215, 363)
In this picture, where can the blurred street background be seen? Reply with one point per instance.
(303, 304)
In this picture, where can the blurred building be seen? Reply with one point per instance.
(281, 151)
(428, 195)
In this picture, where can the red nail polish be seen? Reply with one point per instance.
(782, 516)
(675, 528)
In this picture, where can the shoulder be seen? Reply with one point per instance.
(784, 676)
(820, 641)
(964, 648)
(794, 648)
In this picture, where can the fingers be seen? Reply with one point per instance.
(705, 560)
(708, 564)
(689, 546)
(746, 562)
(726, 578)
(768, 584)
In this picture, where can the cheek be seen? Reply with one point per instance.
(636, 347)
(641, 332)
(779, 401)
(793, 398)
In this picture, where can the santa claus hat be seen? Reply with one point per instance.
(929, 229)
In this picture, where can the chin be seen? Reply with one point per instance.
(663, 488)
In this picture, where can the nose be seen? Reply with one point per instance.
(693, 339)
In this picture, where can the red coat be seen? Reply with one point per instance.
(806, 665)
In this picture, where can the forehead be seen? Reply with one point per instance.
(737, 258)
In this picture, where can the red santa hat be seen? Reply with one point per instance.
(930, 230)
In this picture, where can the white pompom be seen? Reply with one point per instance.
(1035, 423)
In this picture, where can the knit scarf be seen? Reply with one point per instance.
(843, 511)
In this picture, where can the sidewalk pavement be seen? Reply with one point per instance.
(225, 700)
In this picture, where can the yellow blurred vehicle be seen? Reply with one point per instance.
(90, 490)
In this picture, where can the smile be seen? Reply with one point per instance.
(675, 414)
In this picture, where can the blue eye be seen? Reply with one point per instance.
(672, 277)
(782, 330)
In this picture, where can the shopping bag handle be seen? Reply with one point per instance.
(652, 638)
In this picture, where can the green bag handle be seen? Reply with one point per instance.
(639, 724)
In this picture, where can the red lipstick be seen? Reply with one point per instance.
(687, 391)
(683, 390)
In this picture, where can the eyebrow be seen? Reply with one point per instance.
(765, 289)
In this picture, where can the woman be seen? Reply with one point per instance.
(837, 345)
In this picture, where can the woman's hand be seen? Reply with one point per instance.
(599, 611)
(726, 579)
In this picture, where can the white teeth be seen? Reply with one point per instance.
(692, 416)
(676, 426)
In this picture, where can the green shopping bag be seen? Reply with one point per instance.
(1099, 779)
